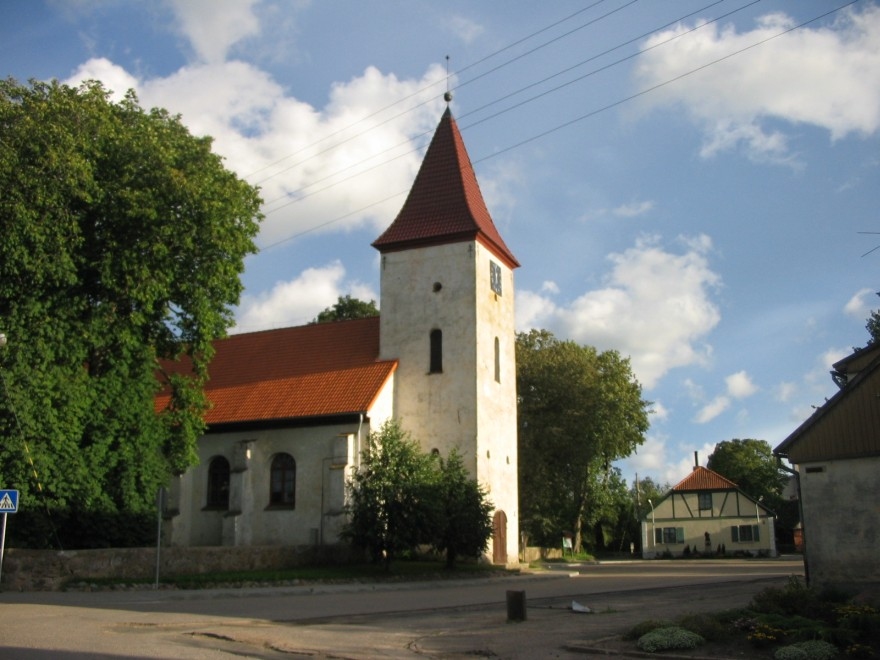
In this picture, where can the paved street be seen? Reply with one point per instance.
(443, 619)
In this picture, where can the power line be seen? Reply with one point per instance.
(566, 124)
(290, 194)
(420, 91)
(652, 88)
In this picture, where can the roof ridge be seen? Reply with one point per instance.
(703, 478)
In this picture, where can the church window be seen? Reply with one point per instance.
(497, 360)
(436, 352)
(282, 489)
(218, 483)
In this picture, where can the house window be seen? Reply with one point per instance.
(218, 483)
(436, 351)
(745, 533)
(705, 500)
(497, 361)
(282, 489)
(669, 535)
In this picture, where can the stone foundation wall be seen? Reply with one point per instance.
(50, 570)
(534, 553)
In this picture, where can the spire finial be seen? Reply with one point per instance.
(448, 95)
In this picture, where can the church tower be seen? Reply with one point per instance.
(447, 316)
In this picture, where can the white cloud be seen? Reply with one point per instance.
(550, 287)
(298, 301)
(655, 307)
(740, 385)
(213, 27)
(633, 209)
(465, 29)
(114, 78)
(712, 409)
(859, 306)
(659, 412)
(295, 152)
(785, 391)
(827, 76)
(648, 460)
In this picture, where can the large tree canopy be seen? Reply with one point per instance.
(579, 410)
(751, 465)
(123, 242)
(346, 309)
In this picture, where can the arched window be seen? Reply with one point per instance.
(218, 483)
(282, 490)
(497, 360)
(436, 351)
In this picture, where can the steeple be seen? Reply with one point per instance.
(445, 204)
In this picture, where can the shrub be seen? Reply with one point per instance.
(863, 618)
(812, 650)
(645, 627)
(669, 638)
(795, 598)
(706, 626)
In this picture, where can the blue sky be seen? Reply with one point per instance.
(686, 182)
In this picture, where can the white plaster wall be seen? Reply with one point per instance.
(438, 409)
(323, 455)
(447, 287)
(841, 506)
(728, 509)
(720, 533)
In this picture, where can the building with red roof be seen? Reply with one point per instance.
(291, 408)
(705, 514)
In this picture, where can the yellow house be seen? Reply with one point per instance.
(706, 514)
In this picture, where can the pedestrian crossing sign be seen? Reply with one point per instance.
(8, 501)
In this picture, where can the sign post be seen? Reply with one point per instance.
(8, 504)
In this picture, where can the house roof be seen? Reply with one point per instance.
(445, 204)
(704, 479)
(846, 426)
(317, 370)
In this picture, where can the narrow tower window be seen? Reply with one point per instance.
(436, 351)
(497, 361)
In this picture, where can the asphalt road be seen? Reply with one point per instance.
(442, 619)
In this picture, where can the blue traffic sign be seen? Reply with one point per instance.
(8, 501)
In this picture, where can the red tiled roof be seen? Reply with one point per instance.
(704, 479)
(306, 371)
(445, 204)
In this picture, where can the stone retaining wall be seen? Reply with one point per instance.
(51, 570)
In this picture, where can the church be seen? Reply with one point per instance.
(291, 408)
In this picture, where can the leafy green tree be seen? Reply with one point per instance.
(579, 410)
(346, 309)
(464, 525)
(873, 325)
(124, 238)
(393, 508)
(751, 465)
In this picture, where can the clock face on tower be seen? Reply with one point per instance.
(495, 277)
